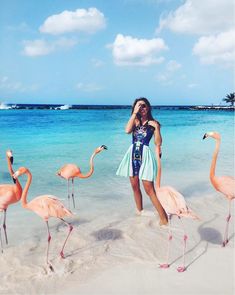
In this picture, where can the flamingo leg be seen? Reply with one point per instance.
(70, 229)
(68, 193)
(170, 236)
(4, 225)
(48, 245)
(73, 193)
(225, 242)
(1, 233)
(185, 237)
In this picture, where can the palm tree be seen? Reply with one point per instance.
(230, 98)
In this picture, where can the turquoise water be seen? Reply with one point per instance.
(44, 140)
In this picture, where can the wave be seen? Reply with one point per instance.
(4, 106)
(63, 107)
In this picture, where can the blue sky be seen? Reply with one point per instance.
(173, 52)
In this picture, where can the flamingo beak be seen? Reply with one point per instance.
(15, 175)
(104, 147)
(14, 180)
(11, 160)
(205, 136)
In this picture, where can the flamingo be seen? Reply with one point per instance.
(10, 161)
(173, 203)
(9, 194)
(223, 184)
(45, 206)
(70, 171)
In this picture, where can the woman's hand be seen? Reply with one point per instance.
(130, 124)
(137, 107)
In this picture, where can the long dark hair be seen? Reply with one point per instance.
(149, 114)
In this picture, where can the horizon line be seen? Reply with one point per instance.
(126, 105)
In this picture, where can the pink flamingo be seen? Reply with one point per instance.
(70, 171)
(174, 204)
(223, 184)
(10, 161)
(9, 194)
(45, 206)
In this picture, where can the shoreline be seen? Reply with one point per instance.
(12, 106)
(217, 108)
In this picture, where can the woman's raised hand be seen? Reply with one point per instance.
(137, 107)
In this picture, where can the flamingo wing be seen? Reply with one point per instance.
(7, 195)
(173, 202)
(68, 171)
(49, 206)
(226, 185)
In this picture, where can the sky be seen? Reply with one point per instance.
(174, 52)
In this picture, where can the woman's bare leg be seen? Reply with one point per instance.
(135, 183)
(150, 191)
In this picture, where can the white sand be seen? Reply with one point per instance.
(122, 256)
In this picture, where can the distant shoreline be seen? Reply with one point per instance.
(219, 108)
(11, 106)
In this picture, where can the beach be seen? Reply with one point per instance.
(123, 257)
(111, 250)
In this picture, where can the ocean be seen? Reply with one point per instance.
(43, 140)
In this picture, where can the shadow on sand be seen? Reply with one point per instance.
(106, 234)
(208, 235)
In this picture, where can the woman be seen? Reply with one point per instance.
(139, 162)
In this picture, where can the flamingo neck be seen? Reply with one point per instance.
(159, 172)
(17, 183)
(9, 166)
(25, 190)
(90, 172)
(214, 159)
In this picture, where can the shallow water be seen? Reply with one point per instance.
(44, 140)
(107, 234)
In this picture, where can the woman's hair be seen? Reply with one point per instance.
(149, 115)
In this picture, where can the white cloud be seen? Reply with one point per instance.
(200, 17)
(88, 87)
(11, 86)
(173, 66)
(80, 20)
(141, 52)
(41, 47)
(213, 20)
(217, 49)
(167, 76)
(37, 48)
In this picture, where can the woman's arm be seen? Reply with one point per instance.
(131, 123)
